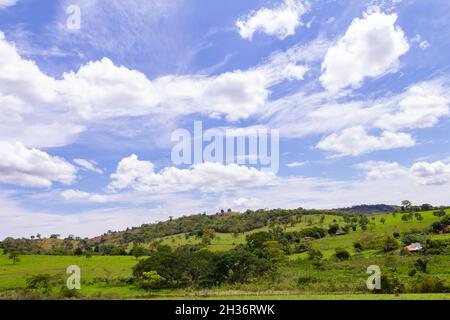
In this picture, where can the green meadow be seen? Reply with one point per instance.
(298, 278)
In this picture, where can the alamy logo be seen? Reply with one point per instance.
(74, 20)
(74, 280)
(374, 281)
(254, 146)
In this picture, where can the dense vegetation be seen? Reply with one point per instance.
(294, 251)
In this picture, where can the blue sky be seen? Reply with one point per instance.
(359, 91)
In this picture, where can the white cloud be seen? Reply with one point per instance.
(76, 195)
(420, 106)
(296, 164)
(206, 177)
(88, 165)
(280, 22)
(247, 202)
(355, 141)
(435, 173)
(423, 173)
(31, 167)
(371, 47)
(377, 170)
(41, 111)
(7, 3)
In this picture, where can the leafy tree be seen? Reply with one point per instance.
(390, 244)
(333, 229)
(426, 207)
(420, 265)
(151, 280)
(138, 251)
(14, 256)
(358, 246)
(315, 254)
(437, 227)
(42, 282)
(406, 205)
(257, 240)
(342, 254)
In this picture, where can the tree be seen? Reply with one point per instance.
(426, 207)
(342, 254)
(333, 229)
(406, 205)
(151, 280)
(390, 244)
(420, 265)
(314, 254)
(14, 256)
(419, 217)
(438, 227)
(138, 251)
(42, 282)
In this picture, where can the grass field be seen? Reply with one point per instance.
(336, 280)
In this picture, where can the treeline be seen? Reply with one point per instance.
(224, 222)
(195, 267)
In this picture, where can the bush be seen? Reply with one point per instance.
(391, 284)
(390, 244)
(333, 229)
(151, 280)
(305, 280)
(419, 266)
(42, 282)
(358, 246)
(342, 254)
(425, 283)
(315, 254)
(66, 293)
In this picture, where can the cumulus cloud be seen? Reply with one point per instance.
(420, 106)
(88, 165)
(76, 195)
(423, 173)
(7, 3)
(377, 170)
(31, 167)
(41, 111)
(206, 177)
(355, 141)
(436, 173)
(371, 47)
(280, 22)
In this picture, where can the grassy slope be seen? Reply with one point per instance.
(352, 272)
(226, 241)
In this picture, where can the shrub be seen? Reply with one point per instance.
(42, 282)
(391, 284)
(390, 244)
(358, 246)
(425, 283)
(342, 254)
(151, 280)
(334, 228)
(305, 280)
(315, 254)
